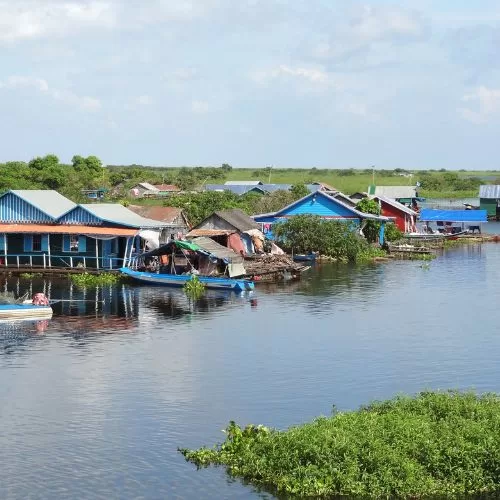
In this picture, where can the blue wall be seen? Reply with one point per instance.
(318, 205)
(79, 216)
(14, 209)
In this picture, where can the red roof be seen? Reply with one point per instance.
(167, 187)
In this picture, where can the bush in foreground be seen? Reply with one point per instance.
(435, 444)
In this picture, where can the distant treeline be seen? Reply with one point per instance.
(48, 172)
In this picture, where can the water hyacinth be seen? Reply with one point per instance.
(434, 444)
(194, 287)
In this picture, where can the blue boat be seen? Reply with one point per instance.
(218, 283)
(309, 257)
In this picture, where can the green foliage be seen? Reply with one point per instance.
(371, 228)
(432, 445)
(90, 280)
(331, 238)
(194, 287)
(299, 191)
(392, 232)
(30, 275)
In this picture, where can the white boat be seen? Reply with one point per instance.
(25, 311)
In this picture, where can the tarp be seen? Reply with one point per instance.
(187, 245)
(430, 214)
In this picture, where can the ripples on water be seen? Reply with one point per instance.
(95, 402)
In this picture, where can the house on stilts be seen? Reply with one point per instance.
(44, 229)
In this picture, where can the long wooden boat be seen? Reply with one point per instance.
(434, 236)
(212, 282)
(309, 257)
(25, 311)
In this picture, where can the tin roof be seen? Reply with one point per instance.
(118, 214)
(396, 204)
(394, 191)
(489, 191)
(220, 251)
(164, 214)
(430, 214)
(237, 218)
(242, 183)
(66, 229)
(48, 201)
(209, 232)
(146, 185)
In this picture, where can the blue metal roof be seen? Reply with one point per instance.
(430, 214)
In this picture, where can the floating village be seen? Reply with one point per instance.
(43, 231)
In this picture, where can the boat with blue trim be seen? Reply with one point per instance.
(175, 264)
(212, 282)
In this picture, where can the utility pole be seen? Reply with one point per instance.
(373, 175)
(270, 169)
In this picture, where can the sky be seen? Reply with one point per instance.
(289, 83)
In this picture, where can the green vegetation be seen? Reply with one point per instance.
(331, 238)
(47, 172)
(194, 288)
(371, 228)
(434, 444)
(30, 275)
(86, 279)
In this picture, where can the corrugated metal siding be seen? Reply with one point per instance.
(14, 209)
(489, 205)
(80, 216)
(489, 191)
(322, 206)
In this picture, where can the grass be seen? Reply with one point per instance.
(86, 279)
(434, 444)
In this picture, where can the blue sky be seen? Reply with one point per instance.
(292, 83)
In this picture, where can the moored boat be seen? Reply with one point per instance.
(309, 257)
(25, 311)
(212, 282)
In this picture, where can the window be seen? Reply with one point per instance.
(36, 244)
(74, 243)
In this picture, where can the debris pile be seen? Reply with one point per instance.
(273, 266)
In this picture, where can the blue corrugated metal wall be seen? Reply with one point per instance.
(79, 216)
(14, 209)
(321, 206)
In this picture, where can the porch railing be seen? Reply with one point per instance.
(46, 261)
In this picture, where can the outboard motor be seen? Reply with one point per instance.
(40, 299)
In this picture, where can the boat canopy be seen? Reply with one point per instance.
(434, 215)
(202, 245)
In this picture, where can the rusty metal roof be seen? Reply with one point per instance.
(66, 229)
(210, 232)
(164, 214)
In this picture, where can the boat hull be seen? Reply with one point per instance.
(177, 280)
(25, 311)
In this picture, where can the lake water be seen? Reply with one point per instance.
(95, 402)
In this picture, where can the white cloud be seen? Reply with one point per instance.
(200, 107)
(144, 100)
(311, 75)
(85, 103)
(483, 104)
(25, 19)
(16, 82)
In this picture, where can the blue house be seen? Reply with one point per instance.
(323, 205)
(42, 228)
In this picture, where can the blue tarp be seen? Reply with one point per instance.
(431, 214)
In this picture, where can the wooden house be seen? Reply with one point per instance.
(176, 222)
(42, 228)
(404, 217)
(322, 205)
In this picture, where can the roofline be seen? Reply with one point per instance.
(361, 215)
(395, 204)
(135, 226)
(25, 200)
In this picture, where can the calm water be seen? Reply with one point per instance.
(95, 402)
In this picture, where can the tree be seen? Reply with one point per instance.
(226, 167)
(371, 228)
(299, 191)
